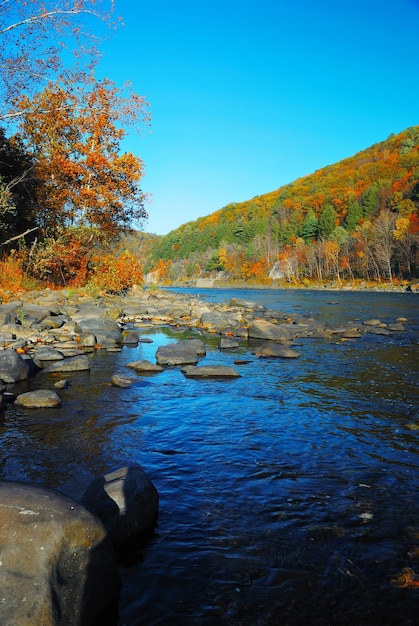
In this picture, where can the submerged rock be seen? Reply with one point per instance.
(275, 350)
(121, 381)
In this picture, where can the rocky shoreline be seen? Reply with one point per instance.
(56, 332)
(65, 571)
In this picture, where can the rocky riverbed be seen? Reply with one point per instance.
(53, 332)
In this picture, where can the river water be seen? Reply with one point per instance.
(288, 496)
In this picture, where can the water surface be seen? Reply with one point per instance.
(287, 496)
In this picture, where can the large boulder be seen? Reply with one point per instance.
(57, 564)
(125, 500)
(13, 367)
(106, 331)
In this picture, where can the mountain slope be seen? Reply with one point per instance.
(341, 215)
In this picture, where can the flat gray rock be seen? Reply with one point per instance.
(71, 364)
(210, 371)
(176, 354)
(262, 329)
(45, 353)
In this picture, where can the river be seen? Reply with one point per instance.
(288, 496)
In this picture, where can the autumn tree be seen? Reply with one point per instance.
(75, 140)
(35, 38)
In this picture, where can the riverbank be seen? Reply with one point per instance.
(360, 285)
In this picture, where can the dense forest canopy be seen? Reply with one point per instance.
(356, 218)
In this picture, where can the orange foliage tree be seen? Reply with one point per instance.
(114, 274)
(75, 137)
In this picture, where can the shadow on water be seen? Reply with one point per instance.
(287, 496)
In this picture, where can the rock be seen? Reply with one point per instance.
(57, 565)
(71, 364)
(16, 329)
(62, 384)
(41, 398)
(242, 303)
(8, 312)
(51, 321)
(351, 334)
(87, 340)
(196, 345)
(219, 320)
(262, 329)
(396, 327)
(210, 371)
(131, 338)
(6, 338)
(378, 330)
(372, 322)
(106, 331)
(98, 311)
(30, 314)
(145, 367)
(275, 350)
(126, 501)
(121, 381)
(229, 344)
(176, 354)
(13, 367)
(45, 353)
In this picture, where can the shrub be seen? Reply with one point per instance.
(115, 274)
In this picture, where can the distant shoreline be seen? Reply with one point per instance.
(351, 286)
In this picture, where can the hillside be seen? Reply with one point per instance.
(357, 218)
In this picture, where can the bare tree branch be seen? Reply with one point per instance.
(30, 230)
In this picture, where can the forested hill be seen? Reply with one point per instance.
(356, 218)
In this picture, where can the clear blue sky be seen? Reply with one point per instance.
(247, 96)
